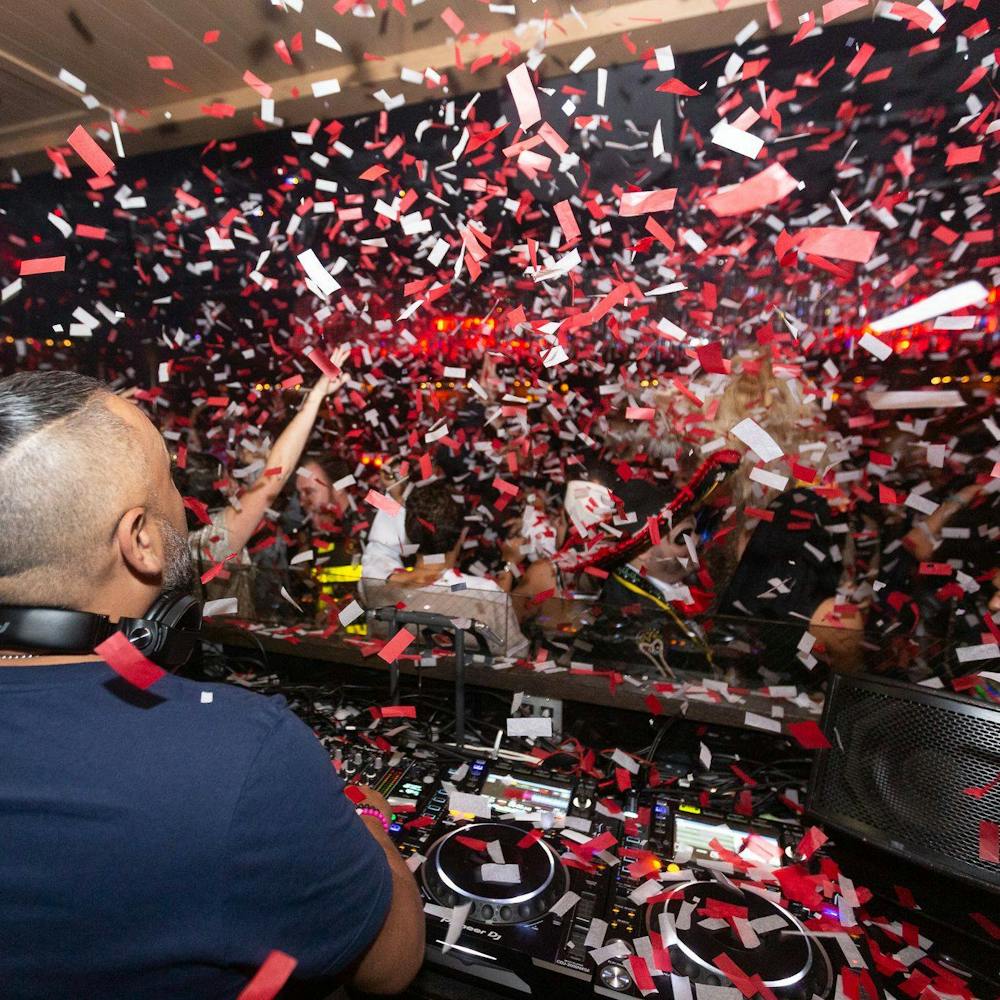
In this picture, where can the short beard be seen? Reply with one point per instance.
(178, 569)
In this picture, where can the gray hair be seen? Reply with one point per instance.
(66, 465)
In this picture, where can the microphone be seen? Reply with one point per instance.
(428, 619)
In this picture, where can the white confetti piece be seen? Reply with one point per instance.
(318, 275)
(466, 804)
(737, 140)
(877, 348)
(502, 874)
(351, 613)
(531, 726)
(757, 440)
(968, 293)
(324, 88)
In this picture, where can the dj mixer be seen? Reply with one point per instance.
(543, 885)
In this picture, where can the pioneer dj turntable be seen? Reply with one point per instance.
(520, 881)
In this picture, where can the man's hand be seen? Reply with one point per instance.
(375, 800)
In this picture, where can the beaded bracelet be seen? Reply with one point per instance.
(377, 813)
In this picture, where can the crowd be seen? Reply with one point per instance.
(868, 541)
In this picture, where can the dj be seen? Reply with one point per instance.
(163, 841)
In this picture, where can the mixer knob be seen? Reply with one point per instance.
(428, 779)
(583, 802)
(371, 773)
(615, 977)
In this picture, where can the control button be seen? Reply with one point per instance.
(661, 808)
(487, 912)
(614, 977)
(525, 910)
(506, 912)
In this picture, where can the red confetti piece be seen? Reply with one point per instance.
(840, 8)
(394, 647)
(454, 22)
(812, 840)
(856, 245)
(160, 62)
(472, 843)
(530, 838)
(808, 735)
(90, 232)
(126, 661)
(765, 188)
(989, 842)
(88, 151)
(42, 265)
(382, 502)
(675, 86)
(398, 711)
(858, 63)
(210, 37)
(270, 977)
(634, 203)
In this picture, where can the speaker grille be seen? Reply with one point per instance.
(901, 758)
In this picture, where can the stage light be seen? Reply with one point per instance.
(936, 380)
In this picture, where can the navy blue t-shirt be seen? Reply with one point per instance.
(160, 844)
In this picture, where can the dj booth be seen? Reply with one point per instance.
(582, 832)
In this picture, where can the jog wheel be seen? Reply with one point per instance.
(784, 955)
(456, 872)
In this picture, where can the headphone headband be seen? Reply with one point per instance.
(166, 634)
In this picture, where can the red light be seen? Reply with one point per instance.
(36, 238)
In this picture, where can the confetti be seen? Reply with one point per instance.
(525, 99)
(268, 980)
(126, 661)
(88, 151)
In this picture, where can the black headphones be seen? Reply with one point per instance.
(166, 634)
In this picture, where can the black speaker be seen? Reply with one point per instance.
(895, 776)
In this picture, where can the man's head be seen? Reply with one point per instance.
(89, 516)
(433, 518)
(315, 486)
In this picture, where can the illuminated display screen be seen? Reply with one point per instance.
(520, 795)
(697, 834)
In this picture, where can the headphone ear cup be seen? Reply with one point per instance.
(145, 635)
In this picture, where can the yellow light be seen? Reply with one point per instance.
(67, 343)
(8, 340)
(903, 345)
(437, 385)
(656, 381)
(987, 378)
(936, 380)
(946, 379)
(563, 387)
(673, 867)
(49, 342)
(964, 378)
(858, 379)
(644, 383)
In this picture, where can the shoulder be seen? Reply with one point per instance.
(227, 712)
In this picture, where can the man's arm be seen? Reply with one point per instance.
(396, 954)
(284, 455)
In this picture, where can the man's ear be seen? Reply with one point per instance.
(140, 543)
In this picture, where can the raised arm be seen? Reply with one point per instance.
(284, 455)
